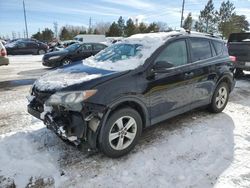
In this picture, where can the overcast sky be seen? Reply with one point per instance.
(42, 13)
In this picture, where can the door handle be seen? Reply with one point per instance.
(189, 74)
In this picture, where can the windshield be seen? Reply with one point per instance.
(73, 47)
(119, 52)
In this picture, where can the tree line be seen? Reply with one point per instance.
(223, 21)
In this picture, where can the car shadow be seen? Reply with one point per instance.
(9, 84)
(190, 150)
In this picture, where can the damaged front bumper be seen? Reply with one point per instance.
(74, 126)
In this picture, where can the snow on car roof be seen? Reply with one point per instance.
(150, 42)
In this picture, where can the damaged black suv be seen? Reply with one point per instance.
(107, 100)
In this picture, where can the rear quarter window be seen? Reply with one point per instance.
(200, 49)
(218, 46)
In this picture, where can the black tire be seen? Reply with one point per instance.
(41, 52)
(66, 61)
(217, 105)
(112, 148)
(238, 73)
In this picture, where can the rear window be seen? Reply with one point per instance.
(200, 49)
(218, 47)
(239, 37)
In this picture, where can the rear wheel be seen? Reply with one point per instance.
(220, 98)
(121, 132)
(66, 61)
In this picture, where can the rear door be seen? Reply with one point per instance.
(203, 66)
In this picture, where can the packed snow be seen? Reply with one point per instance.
(149, 43)
(60, 78)
(196, 149)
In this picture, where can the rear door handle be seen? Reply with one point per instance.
(189, 74)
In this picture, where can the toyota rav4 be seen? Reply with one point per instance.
(107, 100)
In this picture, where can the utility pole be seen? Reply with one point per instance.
(182, 11)
(90, 25)
(25, 20)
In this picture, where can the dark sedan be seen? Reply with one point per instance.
(21, 47)
(74, 52)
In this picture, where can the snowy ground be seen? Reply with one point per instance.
(197, 149)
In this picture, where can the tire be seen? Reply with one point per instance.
(239, 73)
(116, 137)
(41, 52)
(220, 98)
(66, 61)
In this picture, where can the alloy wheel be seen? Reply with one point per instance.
(122, 133)
(221, 97)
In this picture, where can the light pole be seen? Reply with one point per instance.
(182, 11)
(25, 20)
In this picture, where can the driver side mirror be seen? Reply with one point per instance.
(162, 66)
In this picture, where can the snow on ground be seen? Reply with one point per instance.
(197, 149)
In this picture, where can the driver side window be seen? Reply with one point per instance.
(175, 53)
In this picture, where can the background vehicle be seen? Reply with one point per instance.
(239, 46)
(108, 99)
(3, 55)
(90, 38)
(21, 47)
(74, 52)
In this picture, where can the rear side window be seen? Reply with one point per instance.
(175, 53)
(98, 47)
(200, 49)
(218, 47)
(239, 37)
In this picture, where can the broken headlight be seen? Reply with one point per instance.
(71, 97)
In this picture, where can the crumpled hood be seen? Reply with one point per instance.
(68, 76)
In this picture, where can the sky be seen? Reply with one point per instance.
(43, 13)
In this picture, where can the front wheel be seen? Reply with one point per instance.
(41, 52)
(66, 62)
(121, 132)
(220, 98)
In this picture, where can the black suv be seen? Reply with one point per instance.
(107, 100)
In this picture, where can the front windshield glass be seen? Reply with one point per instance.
(73, 47)
(119, 52)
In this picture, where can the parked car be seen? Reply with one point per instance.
(107, 100)
(74, 52)
(4, 60)
(21, 47)
(239, 46)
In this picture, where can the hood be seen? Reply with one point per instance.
(56, 53)
(72, 75)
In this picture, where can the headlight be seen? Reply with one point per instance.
(54, 57)
(71, 97)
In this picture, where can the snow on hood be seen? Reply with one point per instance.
(150, 42)
(62, 78)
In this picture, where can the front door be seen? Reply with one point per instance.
(171, 92)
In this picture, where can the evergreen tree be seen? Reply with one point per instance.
(152, 28)
(188, 22)
(130, 28)
(207, 18)
(47, 35)
(121, 26)
(114, 30)
(65, 35)
(223, 16)
(37, 36)
(142, 28)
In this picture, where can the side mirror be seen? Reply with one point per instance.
(162, 66)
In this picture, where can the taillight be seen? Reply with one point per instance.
(233, 58)
(3, 53)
